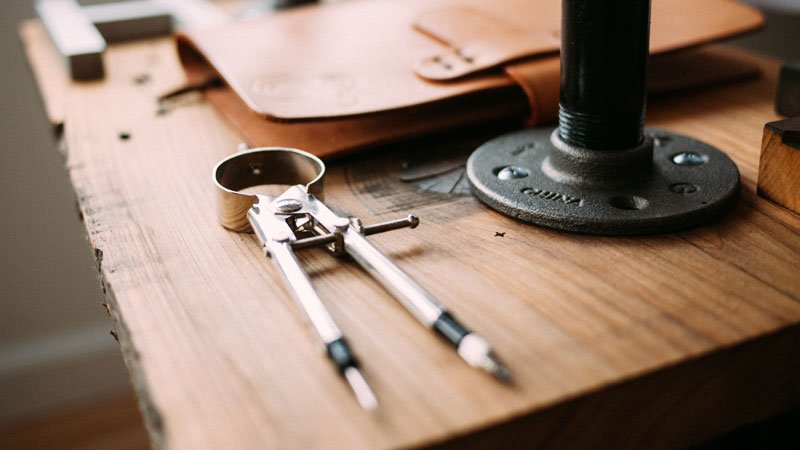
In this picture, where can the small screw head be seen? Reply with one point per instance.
(688, 159)
(341, 223)
(413, 221)
(512, 173)
(288, 205)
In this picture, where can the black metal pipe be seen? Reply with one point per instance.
(604, 47)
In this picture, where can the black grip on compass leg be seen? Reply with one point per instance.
(340, 353)
(447, 326)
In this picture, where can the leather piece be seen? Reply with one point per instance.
(329, 60)
(330, 138)
(306, 100)
(334, 137)
(353, 58)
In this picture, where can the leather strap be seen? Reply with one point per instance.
(668, 72)
(540, 79)
(475, 41)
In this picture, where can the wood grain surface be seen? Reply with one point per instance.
(647, 342)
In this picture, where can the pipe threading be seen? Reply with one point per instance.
(599, 132)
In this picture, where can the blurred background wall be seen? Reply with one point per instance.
(55, 347)
(781, 37)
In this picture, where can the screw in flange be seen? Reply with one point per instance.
(512, 173)
(688, 159)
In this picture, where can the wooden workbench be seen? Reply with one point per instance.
(649, 342)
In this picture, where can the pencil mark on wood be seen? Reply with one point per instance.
(413, 176)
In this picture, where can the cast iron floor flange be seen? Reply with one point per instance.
(687, 183)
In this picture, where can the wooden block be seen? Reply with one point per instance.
(779, 170)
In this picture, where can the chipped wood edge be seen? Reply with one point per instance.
(153, 419)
